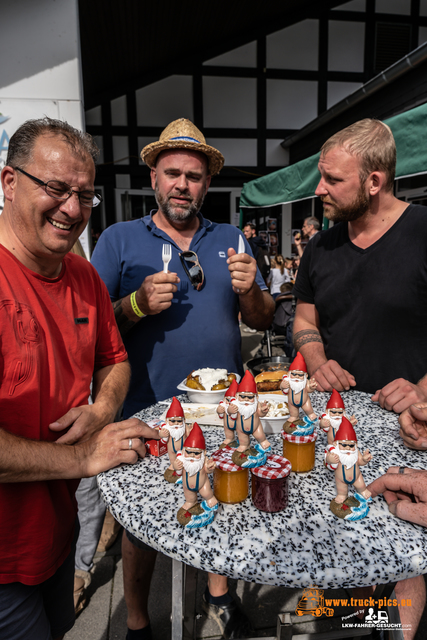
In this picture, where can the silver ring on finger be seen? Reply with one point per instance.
(130, 443)
(401, 469)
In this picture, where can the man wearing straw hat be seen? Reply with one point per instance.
(186, 314)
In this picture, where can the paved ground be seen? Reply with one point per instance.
(105, 616)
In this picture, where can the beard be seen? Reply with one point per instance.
(191, 465)
(246, 410)
(348, 460)
(352, 211)
(178, 213)
(335, 421)
(296, 384)
(175, 432)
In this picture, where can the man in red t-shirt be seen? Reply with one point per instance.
(57, 331)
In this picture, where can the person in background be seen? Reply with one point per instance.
(278, 275)
(310, 227)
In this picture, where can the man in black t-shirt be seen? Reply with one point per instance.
(361, 315)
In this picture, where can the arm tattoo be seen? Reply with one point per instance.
(123, 322)
(303, 337)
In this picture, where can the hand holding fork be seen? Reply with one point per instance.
(166, 256)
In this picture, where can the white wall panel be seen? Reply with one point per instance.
(119, 116)
(339, 90)
(160, 103)
(229, 102)
(295, 47)
(422, 35)
(400, 7)
(291, 104)
(353, 5)
(235, 151)
(93, 116)
(120, 149)
(276, 155)
(346, 46)
(241, 57)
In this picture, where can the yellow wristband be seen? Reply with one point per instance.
(137, 311)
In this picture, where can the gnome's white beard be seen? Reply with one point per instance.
(246, 410)
(191, 465)
(175, 432)
(296, 384)
(347, 459)
(335, 421)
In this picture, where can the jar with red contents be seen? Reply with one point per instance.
(300, 451)
(231, 482)
(270, 484)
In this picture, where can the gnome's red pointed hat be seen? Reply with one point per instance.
(346, 431)
(335, 401)
(247, 384)
(196, 438)
(298, 364)
(175, 410)
(232, 390)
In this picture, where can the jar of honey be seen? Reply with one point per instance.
(231, 482)
(270, 484)
(299, 450)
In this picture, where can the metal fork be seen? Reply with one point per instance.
(166, 256)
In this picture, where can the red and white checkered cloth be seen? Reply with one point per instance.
(276, 467)
(299, 439)
(222, 458)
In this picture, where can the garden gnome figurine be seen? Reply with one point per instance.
(173, 432)
(228, 419)
(330, 421)
(192, 463)
(297, 385)
(347, 459)
(248, 424)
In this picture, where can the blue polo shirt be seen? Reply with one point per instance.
(200, 328)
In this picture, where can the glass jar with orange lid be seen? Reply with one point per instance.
(300, 451)
(231, 482)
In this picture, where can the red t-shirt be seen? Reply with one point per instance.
(53, 334)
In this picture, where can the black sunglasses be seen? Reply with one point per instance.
(192, 268)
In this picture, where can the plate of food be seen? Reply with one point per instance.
(277, 415)
(269, 382)
(207, 385)
(200, 413)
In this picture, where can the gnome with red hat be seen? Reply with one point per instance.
(173, 432)
(192, 463)
(297, 386)
(330, 421)
(229, 419)
(248, 424)
(348, 460)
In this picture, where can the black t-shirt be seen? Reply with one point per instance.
(372, 303)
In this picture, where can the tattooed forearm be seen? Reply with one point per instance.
(303, 337)
(124, 323)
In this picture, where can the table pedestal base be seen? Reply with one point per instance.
(183, 617)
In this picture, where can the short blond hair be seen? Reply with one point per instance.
(373, 143)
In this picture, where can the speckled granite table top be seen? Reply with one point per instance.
(304, 544)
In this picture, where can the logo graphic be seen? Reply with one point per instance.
(312, 602)
(3, 118)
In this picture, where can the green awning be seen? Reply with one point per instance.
(299, 181)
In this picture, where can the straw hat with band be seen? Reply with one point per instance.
(183, 134)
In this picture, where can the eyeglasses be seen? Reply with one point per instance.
(62, 191)
(192, 268)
